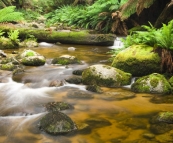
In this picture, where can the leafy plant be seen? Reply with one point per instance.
(14, 35)
(161, 39)
(8, 14)
(96, 16)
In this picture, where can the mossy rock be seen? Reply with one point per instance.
(58, 106)
(6, 43)
(103, 75)
(57, 123)
(94, 88)
(33, 61)
(29, 43)
(153, 83)
(162, 122)
(31, 58)
(7, 66)
(66, 60)
(166, 117)
(139, 60)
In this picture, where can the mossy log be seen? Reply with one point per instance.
(66, 37)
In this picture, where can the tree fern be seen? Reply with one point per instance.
(8, 14)
(134, 6)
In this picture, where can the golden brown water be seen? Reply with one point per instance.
(21, 103)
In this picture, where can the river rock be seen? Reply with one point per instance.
(153, 83)
(162, 122)
(80, 95)
(104, 75)
(139, 60)
(65, 60)
(31, 58)
(58, 106)
(97, 122)
(6, 43)
(110, 96)
(74, 79)
(94, 88)
(57, 123)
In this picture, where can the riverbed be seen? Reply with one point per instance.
(23, 98)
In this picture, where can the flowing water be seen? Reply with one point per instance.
(22, 99)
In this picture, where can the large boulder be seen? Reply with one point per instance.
(31, 58)
(57, 123)
(139, 60)
(104, 75)
(153, 83)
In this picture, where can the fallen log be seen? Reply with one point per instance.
(82, 37)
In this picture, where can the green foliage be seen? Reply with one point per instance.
(162, 37)
(96, 16)
(130, 7)
(8, 14)
(13, 36)
(29, 14)
(1, 33)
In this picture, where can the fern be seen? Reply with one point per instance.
(134, 6)
(164, 36)
(8, 14)
(13, 36)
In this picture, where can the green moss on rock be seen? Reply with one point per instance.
(154, 83)
(103, 75)
(66, 60)
(7, 66)
(6, 43)
(57, 123)
(138, 60)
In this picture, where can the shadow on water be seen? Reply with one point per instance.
(107, 117)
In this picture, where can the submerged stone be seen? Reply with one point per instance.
(153, 83)
(97, 122)
(117, 95)
(80, 95)
(103, 75)
(57, 123)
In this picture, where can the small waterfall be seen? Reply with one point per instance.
(117, 43)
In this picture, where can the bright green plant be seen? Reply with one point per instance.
(96, 16)
(14, 35)
(8, 14)
(1, 33)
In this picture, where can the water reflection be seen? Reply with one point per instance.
(112, 119)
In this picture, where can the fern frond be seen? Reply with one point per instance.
(8, 14)
(132, 6)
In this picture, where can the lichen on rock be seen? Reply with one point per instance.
(104, 75)
(153, 83)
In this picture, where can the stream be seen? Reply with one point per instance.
(22, 99)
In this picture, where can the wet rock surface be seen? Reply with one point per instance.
(80, 95)
(57, 123)
(58, 106)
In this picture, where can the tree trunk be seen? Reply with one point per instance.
(165, 16)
